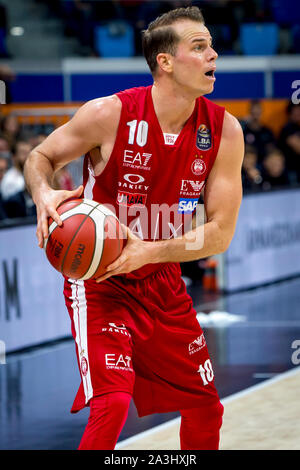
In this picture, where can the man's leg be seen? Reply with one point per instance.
(200, 427)
(108, 414)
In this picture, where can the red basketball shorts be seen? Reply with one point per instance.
(140, 336)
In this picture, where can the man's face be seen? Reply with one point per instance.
(193, 65)
(3, 167)
(22, 151)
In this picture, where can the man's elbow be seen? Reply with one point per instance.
(224, 240)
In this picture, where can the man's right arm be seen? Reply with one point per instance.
(94, 124)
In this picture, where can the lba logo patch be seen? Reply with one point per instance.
(187, 206)
(203, 140)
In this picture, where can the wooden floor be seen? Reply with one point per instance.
(263, 417)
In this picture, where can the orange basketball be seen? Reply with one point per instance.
(89, 239)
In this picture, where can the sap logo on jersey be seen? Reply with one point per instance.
(187, 205)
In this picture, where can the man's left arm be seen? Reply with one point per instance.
(222, 199)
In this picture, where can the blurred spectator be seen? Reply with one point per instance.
(19, 205)
(3, 168)
(63, 180)
(274, 171)
(10, 129)
(289, 142)
(4, 147)
(13, 180)
(251, 175)
(16, 199)
(255, 133)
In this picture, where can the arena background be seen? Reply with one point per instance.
(54, 56)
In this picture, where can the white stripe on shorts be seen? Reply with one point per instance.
(79, 308)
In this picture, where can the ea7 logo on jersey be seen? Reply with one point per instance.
(118, 362)
(137, 160)
(187, 206)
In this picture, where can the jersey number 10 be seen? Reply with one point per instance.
(142, 132)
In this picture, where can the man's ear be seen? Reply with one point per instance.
(165, 62)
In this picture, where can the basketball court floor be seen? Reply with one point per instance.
(254, 342)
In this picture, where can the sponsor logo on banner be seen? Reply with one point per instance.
(198, 167)
(203, 139)
(138, 161)
(84, 366)
(187, 206)
(196, 345)
(131, 199)
(118, 362)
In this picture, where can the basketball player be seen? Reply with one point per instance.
(135, 328)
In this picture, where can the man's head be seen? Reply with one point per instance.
(3, 166)
(255, 110)
(293, 111)
(178, 44)
(4, 145)
(274, 163)
(20, 152)
(250, 158)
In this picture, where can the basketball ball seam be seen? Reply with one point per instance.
(103, 246)
(72, 239)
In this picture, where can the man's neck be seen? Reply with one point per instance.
(172, 109)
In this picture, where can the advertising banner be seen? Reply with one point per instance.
(32, 308)
(266, 244)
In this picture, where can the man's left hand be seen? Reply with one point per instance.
(134, 256)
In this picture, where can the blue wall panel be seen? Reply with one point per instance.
(83, 87)
(239, 85)
(87, 87)
(37, 88)
(282, 83)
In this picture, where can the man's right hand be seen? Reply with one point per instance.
(46, 204)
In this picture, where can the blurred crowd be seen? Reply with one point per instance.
(16, 143)
(270, 161)
(223, 18)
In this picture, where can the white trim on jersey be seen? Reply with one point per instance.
(88, 190)
(79, 308)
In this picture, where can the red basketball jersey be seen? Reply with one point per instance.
(153, 181)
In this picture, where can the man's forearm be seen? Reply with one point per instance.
(38, 172)
(206, 240)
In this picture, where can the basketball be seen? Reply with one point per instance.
(89, 239)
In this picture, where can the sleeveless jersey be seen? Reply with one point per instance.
(153, 182)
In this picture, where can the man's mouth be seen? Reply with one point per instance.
(210, 73)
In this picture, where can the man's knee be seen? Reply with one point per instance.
(200, 427)
(114, 403)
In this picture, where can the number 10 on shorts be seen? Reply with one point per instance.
(206, 372)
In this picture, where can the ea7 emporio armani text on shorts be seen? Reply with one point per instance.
(140, 336)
